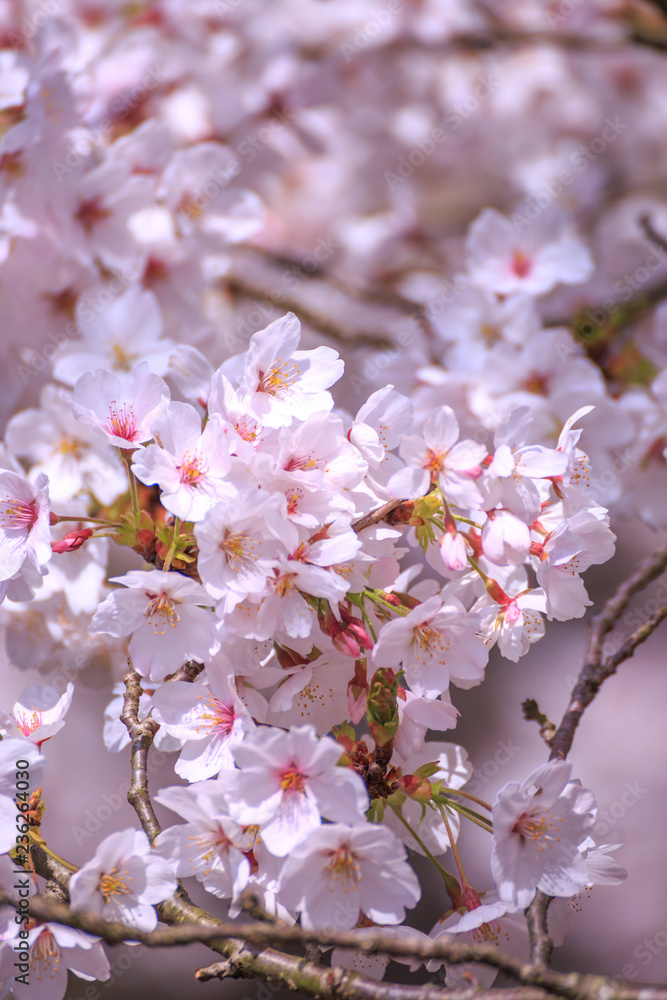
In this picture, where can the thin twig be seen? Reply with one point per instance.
(596, 669)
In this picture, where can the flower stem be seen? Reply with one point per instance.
(374, 596)
(451, 884)
(174, 543)
(471, 815)
(466, 795)
(127, 458)
(58, 518)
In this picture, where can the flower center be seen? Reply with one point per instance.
(121, 357)
(218, 718)
(192, 469)
(15, 513)
(279, 377)
(122, 422)
(113, 884)
(434, 462)
(539, 827)
(28, 723)
(291, 780)
(162, 606)
(521, 265)
(233, 546)
(344, 866)
(45, 950)
(90, 213)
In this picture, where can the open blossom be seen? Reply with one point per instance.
(439, 457)
(38, 713)
(436, 643)
(339, 873)
(280, 383)
(24, 523)
(209, 845)
(539, 829)
(506, 261)
(123, 881)
(164, 615)
(238, 543)
(53, 949)
(189, 465)
(123, 406)
(288, 781)
(209, 719)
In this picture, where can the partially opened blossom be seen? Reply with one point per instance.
(123, 406)
(123, 881)
(24, 523)
(288, 781)
(38, 713)
(167, 616)
(339, 873)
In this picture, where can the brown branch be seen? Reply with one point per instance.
(596, 669)
(142, 735)
(541, 944)
(325, 324)
(376, 516)
(248, 957)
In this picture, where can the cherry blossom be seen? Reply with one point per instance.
(122, 407)
(166, 616)
(539, 828)
(38, 713)
(123, 880)
(338, 872)
(288, 781)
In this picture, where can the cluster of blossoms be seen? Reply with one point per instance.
(301, 582)
(275, 527)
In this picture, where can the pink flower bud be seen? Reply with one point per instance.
(73, 540)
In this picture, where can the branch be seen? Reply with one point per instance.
(596, 669)
(194, 925)
(376, 516)
(541, 944)
(142, 735)
(241, 287)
